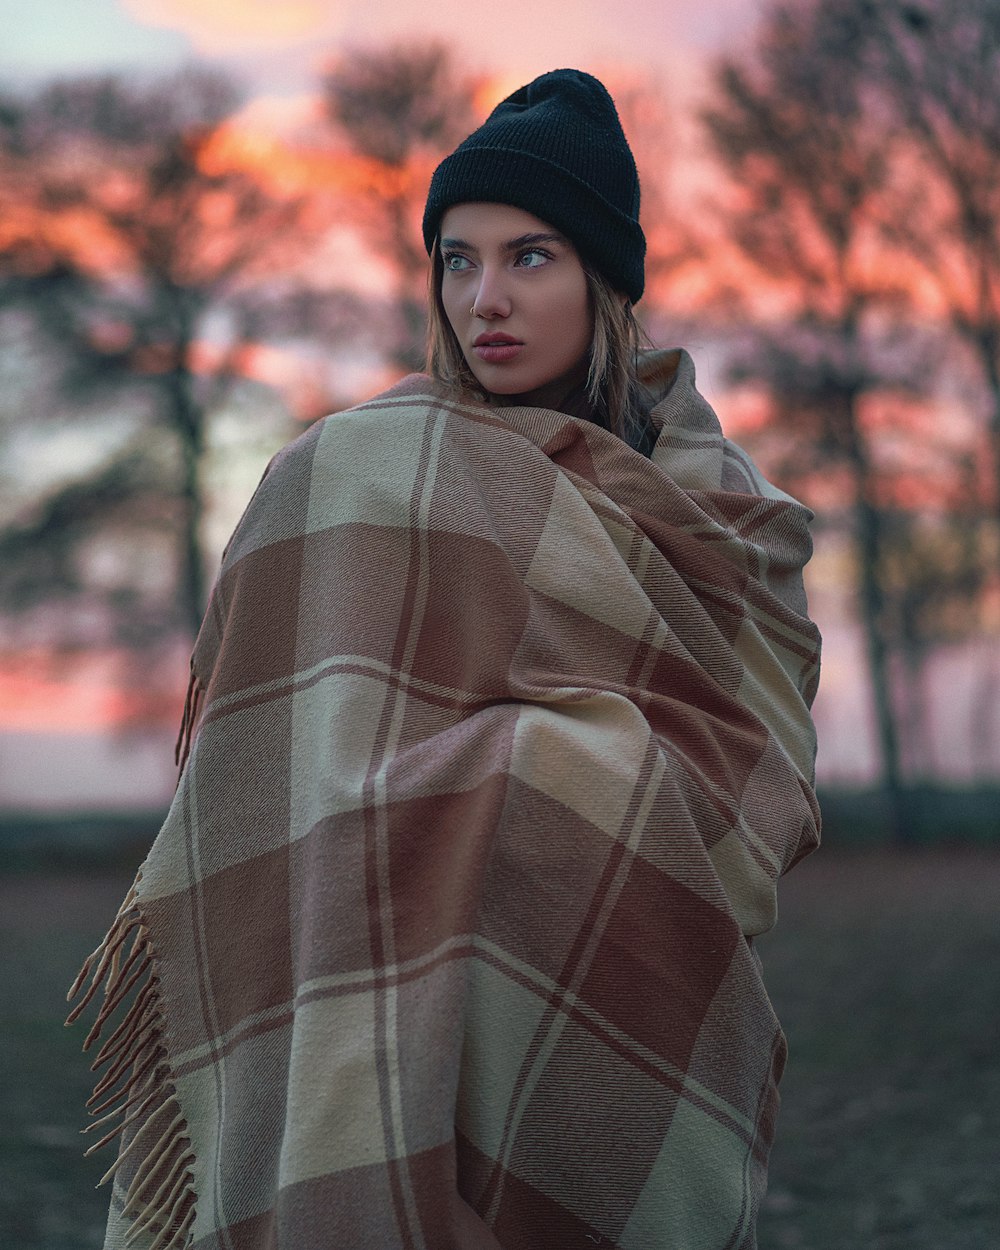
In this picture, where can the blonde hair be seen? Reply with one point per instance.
(613, 386)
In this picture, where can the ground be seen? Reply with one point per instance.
(883, 970)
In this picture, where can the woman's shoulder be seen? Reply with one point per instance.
(360, 464)
(413, 397)
(376, 419)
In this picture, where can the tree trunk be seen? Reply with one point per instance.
(868, 533)
(187, 420)
(987, 345)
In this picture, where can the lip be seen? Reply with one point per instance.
(496, 348)
(495, 336)
(498, 354)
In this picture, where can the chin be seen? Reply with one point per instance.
(505, 382)
(501, 387)
(495, 386)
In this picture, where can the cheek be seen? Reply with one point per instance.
(451, 302)
(575, 315)
(446, 305)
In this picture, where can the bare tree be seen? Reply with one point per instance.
(807, 174)
(125, 234)
(400, 110)
(934, 577)
(935, 65)
(677, 245)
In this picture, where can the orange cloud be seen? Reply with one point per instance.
(218, 25)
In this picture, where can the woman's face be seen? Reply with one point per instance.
(532, 325)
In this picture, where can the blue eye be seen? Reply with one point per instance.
(455, 262)
(533, 259)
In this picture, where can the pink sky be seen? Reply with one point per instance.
(524, 33)
(277, 45)
(278, 48)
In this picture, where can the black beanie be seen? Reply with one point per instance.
(556, 149)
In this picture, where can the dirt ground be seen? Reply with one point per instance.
(883, 969)
(48, 924)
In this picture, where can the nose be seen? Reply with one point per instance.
(492, 299)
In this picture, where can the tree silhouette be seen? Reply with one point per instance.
(936, 64)
(677, 245)
(862, 146)
(400, 110)
(788, 122)
(130, 241)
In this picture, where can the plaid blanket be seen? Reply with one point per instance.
(502, 744)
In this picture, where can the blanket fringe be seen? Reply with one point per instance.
(135, 1091)
(189, 718)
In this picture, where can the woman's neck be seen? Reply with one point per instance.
(567, 393)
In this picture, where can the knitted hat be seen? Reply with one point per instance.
(556, 149)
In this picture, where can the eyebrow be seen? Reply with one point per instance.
(512, 245)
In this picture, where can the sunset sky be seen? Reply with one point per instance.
(278, 50)
(278, 47)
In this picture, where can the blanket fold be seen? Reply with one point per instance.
(499, 741)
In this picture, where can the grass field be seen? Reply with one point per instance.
(883, 969)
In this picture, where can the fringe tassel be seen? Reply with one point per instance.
(108, 952)
(140, 1070)
(192, 705)
(135, 1091)
(134, 1024)
(131, 1118)
(135, 1058)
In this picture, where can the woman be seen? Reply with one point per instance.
(502, 743)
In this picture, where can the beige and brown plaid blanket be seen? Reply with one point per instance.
(502, 744)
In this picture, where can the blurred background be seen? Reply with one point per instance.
(209, 238)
